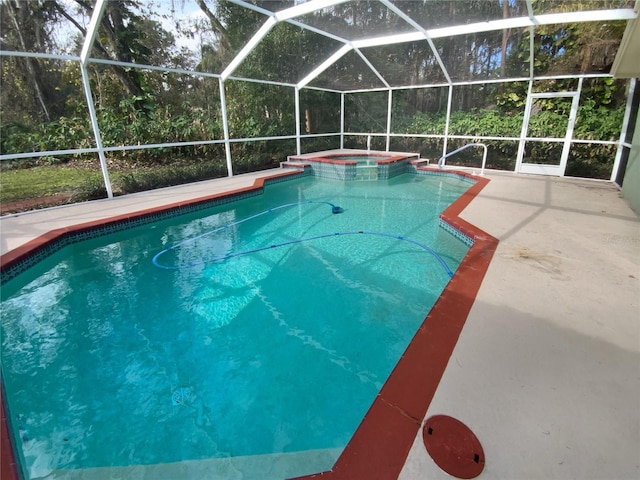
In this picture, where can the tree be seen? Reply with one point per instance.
(26, 28)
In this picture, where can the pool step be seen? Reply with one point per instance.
(277, 465)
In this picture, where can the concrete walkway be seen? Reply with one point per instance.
(547, 370)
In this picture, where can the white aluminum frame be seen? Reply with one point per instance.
(548, 169)
(625, 125)
(92, 31)
(291, 15)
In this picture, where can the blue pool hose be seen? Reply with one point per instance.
(334, 209)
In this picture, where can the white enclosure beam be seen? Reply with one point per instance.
(388, 40)
(96, 129)
(307, 7)
(297, 105)
(225, 128)
(324, 65)
(248, 47)
(524, 128)
(342, 95)
(532, 52)
(503, 24)
(372, 68)
(53, 56)
(529, 9)
(319, 31)
(92, 31)
(575, 102)
(546, 19)
(424, 32)
(142, 66)
(389, 108)
(447, 121)
(625, 126)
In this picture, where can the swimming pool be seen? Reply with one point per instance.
(171, 381)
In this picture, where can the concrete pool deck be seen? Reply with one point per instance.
(546, 371)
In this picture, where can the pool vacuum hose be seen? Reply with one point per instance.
(335, 209)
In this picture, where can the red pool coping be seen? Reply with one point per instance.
(380, 445)
(8, 466)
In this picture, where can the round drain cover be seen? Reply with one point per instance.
(453, 446)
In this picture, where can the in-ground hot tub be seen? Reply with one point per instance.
(354, 164)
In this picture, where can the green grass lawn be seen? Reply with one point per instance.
(42, 181)
(48, 185)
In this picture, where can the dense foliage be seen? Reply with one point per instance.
(43, 105)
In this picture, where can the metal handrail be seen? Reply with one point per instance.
(464, 147)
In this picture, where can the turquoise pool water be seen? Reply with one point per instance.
(262, 363)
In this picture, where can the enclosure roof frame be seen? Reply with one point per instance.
(291, 15)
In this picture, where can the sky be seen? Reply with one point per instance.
(176, 17)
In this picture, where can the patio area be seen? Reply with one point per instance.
(546, 372)
(547, 369)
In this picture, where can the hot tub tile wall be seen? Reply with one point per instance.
(393, 169)
(466, 177)
(369, 172)
(334, 170)
(326, 167)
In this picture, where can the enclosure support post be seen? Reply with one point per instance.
(625, 126)
(96, 130)
(389, 107)
(92, 30)
(575, 102)
(525, 126)
(527, 110)
(297, 103)
(446, 125)
(225, 127)
(342, 120)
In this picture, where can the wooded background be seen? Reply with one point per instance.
(43, 106)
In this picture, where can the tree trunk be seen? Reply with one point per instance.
(217, 27)
(19, 17)
(114, 29)
(506, 33)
